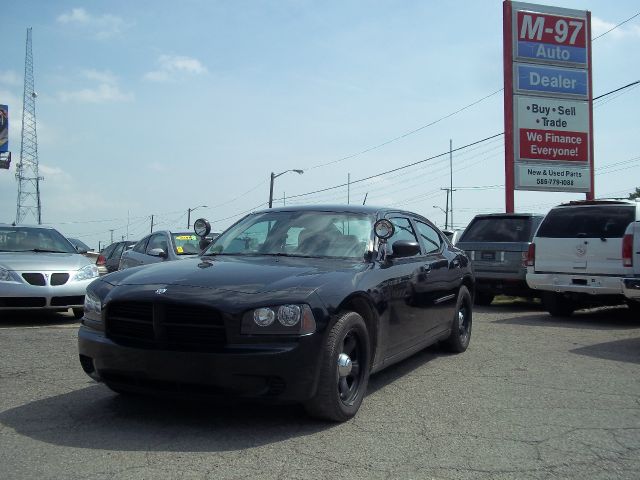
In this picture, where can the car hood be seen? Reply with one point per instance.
(43, 261)
(244, 274)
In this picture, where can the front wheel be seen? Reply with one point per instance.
(460, 336)
(344, 372)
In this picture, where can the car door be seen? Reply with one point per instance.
(438, 285)
(408, 320)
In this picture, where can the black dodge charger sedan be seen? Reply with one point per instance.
(295, 304)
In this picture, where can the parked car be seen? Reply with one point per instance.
(453, 235)
(497, 245)
(295, 304)
(109, 258)
(161, 246)
(83, 248)
(41, 270)
(631, 259)
(575, 260)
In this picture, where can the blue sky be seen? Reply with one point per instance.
(153, 107)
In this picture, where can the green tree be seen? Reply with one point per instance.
(635, 194)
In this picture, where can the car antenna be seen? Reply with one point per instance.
(365, 198)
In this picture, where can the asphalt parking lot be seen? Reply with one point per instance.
(533, 397)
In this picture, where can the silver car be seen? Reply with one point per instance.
(41, 270)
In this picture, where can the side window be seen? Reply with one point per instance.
(430, 237)
(157, 241)
(117, 252)
(106, 253)
(403, 230)
(141, 246)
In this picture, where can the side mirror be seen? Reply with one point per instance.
(81, 250)
(405, 248)
(157, 252)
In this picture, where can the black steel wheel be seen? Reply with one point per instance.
(344, 372)
(461, 324)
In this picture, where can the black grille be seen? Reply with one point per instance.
(59, 278)
(67, 301)
(165, 326)
(22, 302)
(34, 278)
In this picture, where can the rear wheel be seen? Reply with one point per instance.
(344, 372)
(462, 321)
(557, 304)
(484, 298)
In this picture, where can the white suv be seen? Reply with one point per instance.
(575, 258)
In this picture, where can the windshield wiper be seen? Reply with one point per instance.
(41, 250)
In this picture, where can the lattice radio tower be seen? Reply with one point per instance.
(27, 168)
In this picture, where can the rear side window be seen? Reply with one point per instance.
(498, 229)
(587, 222)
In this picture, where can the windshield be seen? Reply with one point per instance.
(587, 222)
(185, 243)
(33, 239)
(304, 234)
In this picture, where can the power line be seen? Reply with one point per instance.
(615, 26)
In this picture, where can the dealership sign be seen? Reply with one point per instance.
(548, 100)
(4, 128)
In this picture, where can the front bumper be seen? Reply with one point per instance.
(23, 296)
(285, 372)
(586, 284)
(631, 288)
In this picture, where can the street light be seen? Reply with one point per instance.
(446, 215)
(274, 176)
(189, 210)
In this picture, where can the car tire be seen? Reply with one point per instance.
(78, 313)
(483, 298)
(557, 304)
(461, 324)
(344, 371)
(634, 306)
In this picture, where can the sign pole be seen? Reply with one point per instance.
(591, 194)
(507, 49)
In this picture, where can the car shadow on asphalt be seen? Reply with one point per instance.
(603, 318)
(26, 318)
(95, 418)
(626, 350)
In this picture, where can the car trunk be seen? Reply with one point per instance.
(499, 257)
(577, 240)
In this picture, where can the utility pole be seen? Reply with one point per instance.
(111, 230)
(446, 210)
(27, 172)
(451, 177)
(151, 224)
(348, 186)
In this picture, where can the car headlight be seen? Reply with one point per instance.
(87, 272)
(92, 310)
(291, 320)
(7, 275)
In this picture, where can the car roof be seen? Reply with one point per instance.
(339, 208)
(600, 201)
(20, 225)
(503, 215)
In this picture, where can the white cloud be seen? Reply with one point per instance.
(10, 78)
(172, 65)
(105, 90)
(101, 26)
(100, 94)
(599, 26)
